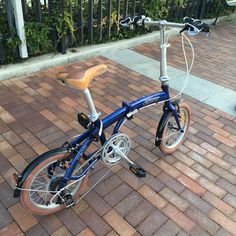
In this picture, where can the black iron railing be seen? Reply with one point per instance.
(83, 22)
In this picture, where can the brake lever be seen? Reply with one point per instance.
(206, 29)
(188, 26)
(185, 28)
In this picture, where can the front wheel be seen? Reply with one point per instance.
(169, 137)
(44, 180)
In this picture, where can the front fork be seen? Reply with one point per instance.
(171, 106)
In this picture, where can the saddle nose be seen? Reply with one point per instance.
(81, 79)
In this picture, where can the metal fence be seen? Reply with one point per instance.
(94, 20)
(197, 9)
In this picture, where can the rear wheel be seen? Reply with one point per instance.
(171, 137)
(44, 181)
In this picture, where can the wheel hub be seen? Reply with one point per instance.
(54, 184)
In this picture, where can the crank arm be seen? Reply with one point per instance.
(123, 156)
(134, 168)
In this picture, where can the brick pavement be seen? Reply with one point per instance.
(219, 58)
(191, 192)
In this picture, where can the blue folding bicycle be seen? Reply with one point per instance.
(56, 179)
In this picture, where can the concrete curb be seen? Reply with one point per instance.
(45, 61)
(49, 60)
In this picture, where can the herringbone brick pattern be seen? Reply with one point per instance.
(191, 192)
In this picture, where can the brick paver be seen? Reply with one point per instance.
(191, 192)
(219, 60)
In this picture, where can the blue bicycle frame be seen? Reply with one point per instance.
(126, 111)
(119, 116)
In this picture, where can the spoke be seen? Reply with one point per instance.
(45, 199)
(36, 198)
(37, 185)
(42, 194)
(168, 132)
(172, 140)
(41, 202)
(44, 173)
(41, 176)
(42, 183)
(43, 187)
(167, 142)
(47, 175)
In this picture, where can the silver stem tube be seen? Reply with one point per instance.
(93, 113)
(163, 46)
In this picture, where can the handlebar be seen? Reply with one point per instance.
(190, 25)
(195, 26)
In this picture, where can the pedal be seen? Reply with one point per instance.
(83, 120)
(68, 200)
(137, 170)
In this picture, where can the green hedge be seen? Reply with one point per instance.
(65, 25)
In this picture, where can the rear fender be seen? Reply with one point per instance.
(21, 178)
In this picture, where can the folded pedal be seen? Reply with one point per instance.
(137, 170)
(83, 120)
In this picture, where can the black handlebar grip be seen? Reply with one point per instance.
(130, 21)
(188, 20)
(125, 22)
(198, 24)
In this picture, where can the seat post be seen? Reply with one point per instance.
(93, 116)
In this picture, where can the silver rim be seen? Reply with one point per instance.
(42, 196)
(174, 137)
